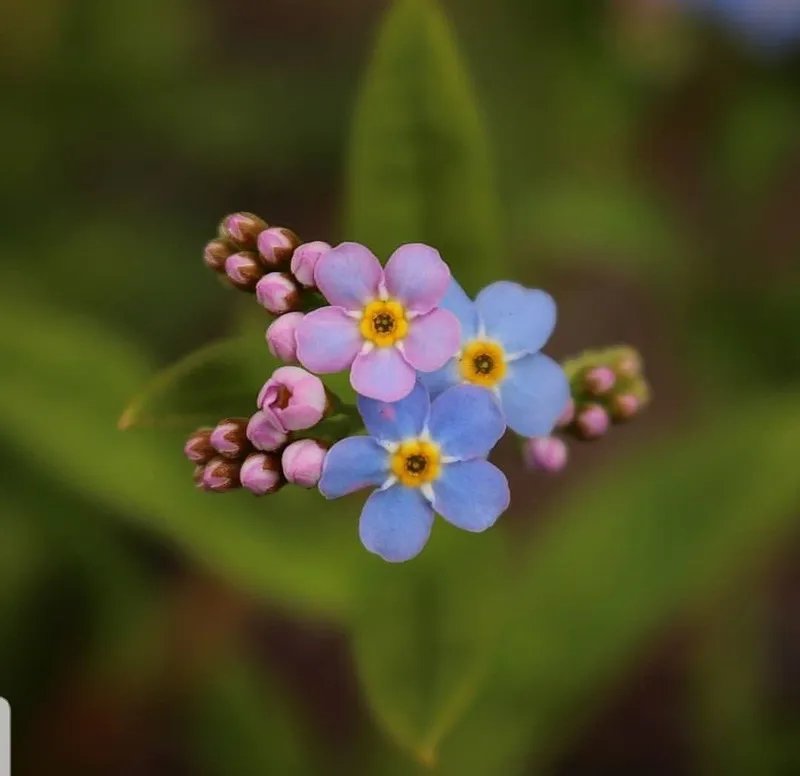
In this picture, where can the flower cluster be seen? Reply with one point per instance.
(438, 378)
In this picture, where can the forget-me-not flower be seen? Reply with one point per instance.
(502, 332)
(423, 458)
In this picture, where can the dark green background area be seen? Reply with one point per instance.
(638, 614)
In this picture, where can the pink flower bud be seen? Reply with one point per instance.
(302, 462)
(599, 380)
(220, 475)
(592, 422)
(198, 448)
(305, 259)
(278, 293)
(242, 229)
(281, 337)
(295, 398)
(567, 414)
(215, 254)
(276, 245)
(624, 407)
(546, 454)
(265, 432)
(244, 270)
(261, 473)
(229, 438)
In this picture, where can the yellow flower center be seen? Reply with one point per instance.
(483, 363)
(383, 323)
(416, 462)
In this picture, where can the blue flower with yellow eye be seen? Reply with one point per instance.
(423, 457)
(502, 332)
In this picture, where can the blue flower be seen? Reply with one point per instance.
(501, 334)
(422, 457)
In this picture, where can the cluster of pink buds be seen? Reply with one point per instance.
(265, 451)
(607, 387)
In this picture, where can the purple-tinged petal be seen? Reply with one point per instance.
(471, 494)
(466, 422)
(348, 276)
(382, 374)
(534, 394)
(395, 421)
(352, 464)
(432, 340)
(396, 523)
(456, 300)
(328, 340)
(439, 381)
(417, 277)
(521, 319)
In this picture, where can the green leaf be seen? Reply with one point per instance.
(218, 380)
(420, 169)
(423, 633)
(620, 559)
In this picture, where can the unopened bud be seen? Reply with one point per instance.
(197, 476)
(215, 254)
(591, 422)
(294, 399)
(244, 270)
(624, 407)
(546, 454)
(242, 229)
(304, 261)
(261, 473)
(229, 438)
(567, 414)
(276, 246)
(198, 448)
(265, 432)
(278, 293)
(281, 339)
(599, 380)
(302, 462)
(221, 475)
(628, 364)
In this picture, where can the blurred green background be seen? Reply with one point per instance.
(639, 614)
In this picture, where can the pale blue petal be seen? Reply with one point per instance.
(521, 319)
(396, 523)
(471, 494)
(456, 300)
(442, 379)
(533, 394)
(395, 421)
(352, 464)
(466, 422)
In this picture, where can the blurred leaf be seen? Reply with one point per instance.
(622, 557)
(216, 381)
(64, 384)
(424, 631)
(420, 168)
(612, 224)
(239, 725)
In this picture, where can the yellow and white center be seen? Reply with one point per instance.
(482, 362)
(383, 323)
(416, 462)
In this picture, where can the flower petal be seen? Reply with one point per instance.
(349, 276)
(417, 277)
(432, 340)
(471, 494)
(352, 464)
(533, 394)
(328, 340)
(439, 381)
(466, 422)
(395, 421)
(382, 374)
(396, 523)
(456, 300)
(521, 319)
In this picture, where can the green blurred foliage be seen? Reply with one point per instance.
(601, 136)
